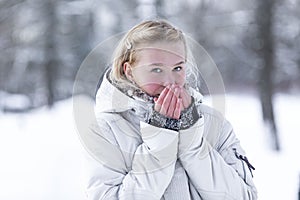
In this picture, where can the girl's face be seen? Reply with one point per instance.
(159, 65)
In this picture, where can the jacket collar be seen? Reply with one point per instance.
(111, 99)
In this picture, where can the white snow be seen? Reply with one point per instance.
(277, 174)
(14, 101)
(41, 154)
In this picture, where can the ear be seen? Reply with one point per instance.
(128, 71)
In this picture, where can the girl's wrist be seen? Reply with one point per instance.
(188, 117)
(159, 120)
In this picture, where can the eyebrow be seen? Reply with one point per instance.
(161, 64)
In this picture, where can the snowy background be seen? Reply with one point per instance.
(41, 154)
(43, 43)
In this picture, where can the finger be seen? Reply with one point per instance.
(163, 95)
(172, 104)
(181, 105)
(157, 106)
(183, 96)
(186, 98)
(159, 101)
(177, 110)
(177, 93)
(166, 102)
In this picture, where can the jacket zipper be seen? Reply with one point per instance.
(245, 159)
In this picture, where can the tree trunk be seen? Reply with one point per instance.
(159, 6)
(50, 51)
(264, 16)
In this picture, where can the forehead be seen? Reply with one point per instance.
(166, 53)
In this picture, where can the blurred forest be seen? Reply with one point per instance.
(255, 44)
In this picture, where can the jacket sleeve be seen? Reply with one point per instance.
(110, 176)
(209, 153)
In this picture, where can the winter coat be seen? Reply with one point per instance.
(131, 159)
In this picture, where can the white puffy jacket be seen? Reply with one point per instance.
(130, 159)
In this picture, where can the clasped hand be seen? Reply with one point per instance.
(172, 101)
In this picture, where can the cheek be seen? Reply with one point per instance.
(150, 84)
(152, 89)
(146, 80)
(181, 79)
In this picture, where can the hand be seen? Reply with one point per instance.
(186, 98)
(169, 103)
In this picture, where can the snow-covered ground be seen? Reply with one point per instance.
(41, 154)
(277, 174)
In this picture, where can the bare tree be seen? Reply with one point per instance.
(50, 50)
(9, 53)
(264, 18)
(159, 7)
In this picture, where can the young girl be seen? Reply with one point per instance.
(153, 138)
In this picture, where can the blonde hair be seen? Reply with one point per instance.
(144, 33)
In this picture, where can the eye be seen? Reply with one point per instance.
(156, 70)
(178, 68)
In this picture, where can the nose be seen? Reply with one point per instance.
(169, 79)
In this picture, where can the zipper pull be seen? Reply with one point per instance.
(245, 159)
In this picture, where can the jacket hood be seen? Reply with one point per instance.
(110, 99)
